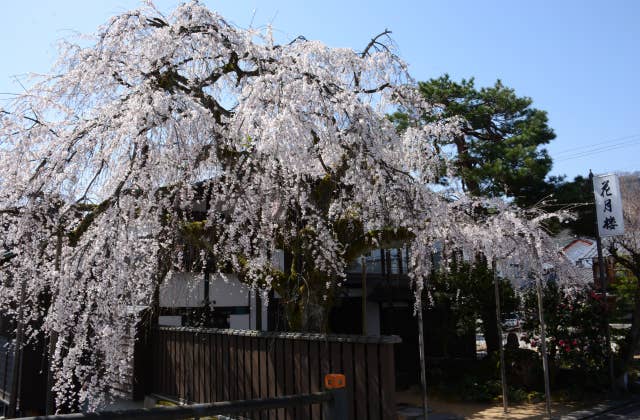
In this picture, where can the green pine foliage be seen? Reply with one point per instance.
(498, 152)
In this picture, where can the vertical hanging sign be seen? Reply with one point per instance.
(608, 205)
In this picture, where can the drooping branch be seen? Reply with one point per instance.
(375, 43)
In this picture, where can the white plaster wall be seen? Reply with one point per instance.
(182, 290)
(187, 290)
(226, 290)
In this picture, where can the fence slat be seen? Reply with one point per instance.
(171, 367)
(158, 368)
(227, 353)
(205, 368)
(180, 377)
(190, 367)
(264, 374)
(336, 357)
(280, 376)
(219, 369)
(360, 382)
(233, 371)
(247, 365)
(373, 382)
(271, 374)
(289, 372)
(301, 383)
(198, 386)
(255, 369)
(387, 381)
(347, 368)
(325, 364)
(314, 376)
(242, 392)
(211, 354)
(164, 341)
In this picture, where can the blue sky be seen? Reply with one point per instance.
(578, 60)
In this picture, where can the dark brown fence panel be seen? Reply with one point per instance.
(208, 365)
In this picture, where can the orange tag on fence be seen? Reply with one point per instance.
(334, 381)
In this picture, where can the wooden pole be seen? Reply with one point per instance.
(503, 373)
(17, 356)
(363, 262)
(423, 364)
(603, 286)
(543, 335)
(53, 338)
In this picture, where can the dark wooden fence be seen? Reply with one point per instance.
(209, 365)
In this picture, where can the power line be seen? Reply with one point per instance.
(602, 149)
(618, 139)
(594, 149)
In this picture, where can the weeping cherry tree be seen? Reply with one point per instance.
(169, 127)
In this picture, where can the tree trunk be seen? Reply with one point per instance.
(490, 331)
(464, 163)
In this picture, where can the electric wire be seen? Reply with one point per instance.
(598, 147)
(605, 149)
(574, 149)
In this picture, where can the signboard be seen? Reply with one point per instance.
(608, 205)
